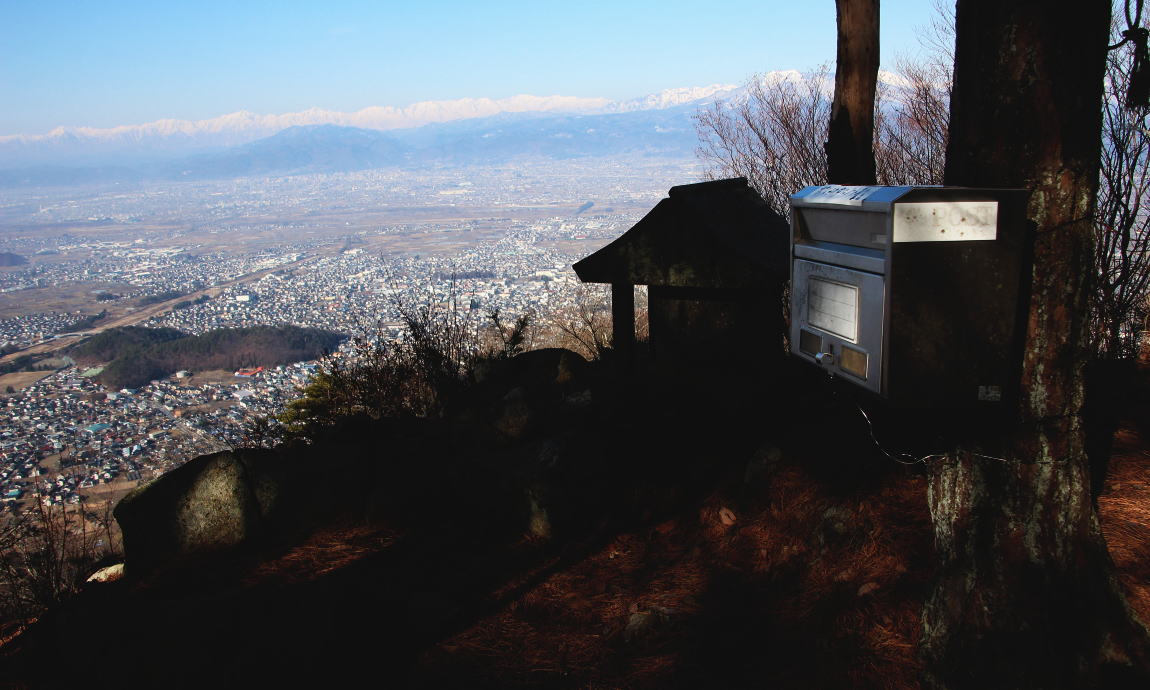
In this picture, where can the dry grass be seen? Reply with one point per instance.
(784, 586)
(20, 380)
(1124, 510)
(65, 297)
(323, 552)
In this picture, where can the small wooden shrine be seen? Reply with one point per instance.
(715, 260)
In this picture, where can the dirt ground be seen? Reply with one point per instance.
(59, 298)
(783, 580)
(20, 380)
(96, 497)
(1124, 511)
(200, 378)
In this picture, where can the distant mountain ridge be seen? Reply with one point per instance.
(657, 132)
(668, 132)
(91, 145)
(464, 131)
(304, 148)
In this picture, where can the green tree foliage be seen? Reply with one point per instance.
(84, 323)
(22, 363)
(10, 259)
(185, 303)
(375, 378)
(119, 342)
(156, 299)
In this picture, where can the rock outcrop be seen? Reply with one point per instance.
(213, 503)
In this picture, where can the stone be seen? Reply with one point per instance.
(727, 516)
(515, 415)
(212, 503)
(108, 574)
(538, 522)
(641, 624)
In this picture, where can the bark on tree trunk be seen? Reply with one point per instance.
(850, 140)
(1026, 595)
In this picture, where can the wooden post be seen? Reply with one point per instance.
(623, 322)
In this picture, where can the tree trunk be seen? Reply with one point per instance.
(850, 140)
(1026, 595)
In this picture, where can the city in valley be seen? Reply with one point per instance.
(333, 251)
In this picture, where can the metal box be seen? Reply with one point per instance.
(915, 294)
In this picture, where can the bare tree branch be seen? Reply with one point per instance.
(1122, 218)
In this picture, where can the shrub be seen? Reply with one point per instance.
(417, 375)
(46, 554)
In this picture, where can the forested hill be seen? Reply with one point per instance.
(136, 356)
(117, 342)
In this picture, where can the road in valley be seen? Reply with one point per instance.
(66, 340)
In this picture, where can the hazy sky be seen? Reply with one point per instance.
(118, 62)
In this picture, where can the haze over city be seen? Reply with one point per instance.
(262, 165)
(609, 344)
(179, 167)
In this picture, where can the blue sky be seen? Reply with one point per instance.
(112, 63)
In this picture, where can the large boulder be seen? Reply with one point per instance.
(520, 396)
(213, 503)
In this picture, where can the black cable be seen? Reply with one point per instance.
(900, 458)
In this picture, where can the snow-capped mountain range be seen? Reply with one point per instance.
(172, 136)
(463, 131)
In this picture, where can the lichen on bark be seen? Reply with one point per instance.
(1025, 595)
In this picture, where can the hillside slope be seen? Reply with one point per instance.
(137, 355)
(623, 538)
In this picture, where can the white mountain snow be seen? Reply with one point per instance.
(243, 126)
(672, 97)
(168, 137)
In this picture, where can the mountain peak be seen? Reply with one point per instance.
(379, 116)
(170, 136)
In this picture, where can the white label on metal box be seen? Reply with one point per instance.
(840, 194)
(952, 221)
(833, 307)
